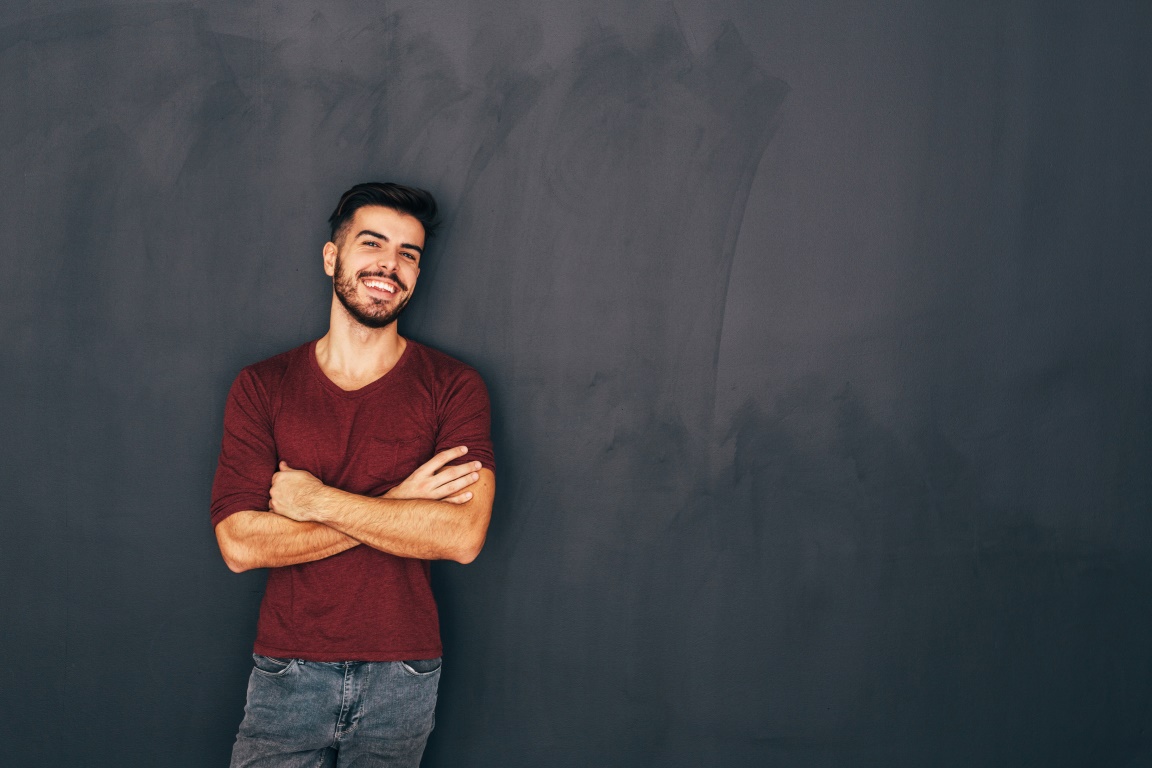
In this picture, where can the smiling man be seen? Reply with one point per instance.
(347, 464)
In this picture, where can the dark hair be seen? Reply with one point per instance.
(417, 203)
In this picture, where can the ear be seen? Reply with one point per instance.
(329, 258)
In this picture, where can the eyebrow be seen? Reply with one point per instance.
(385, 238)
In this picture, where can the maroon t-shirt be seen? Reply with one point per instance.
(361, 604)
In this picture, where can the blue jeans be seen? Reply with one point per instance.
(308, 714)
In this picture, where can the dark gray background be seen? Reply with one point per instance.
(818, 336)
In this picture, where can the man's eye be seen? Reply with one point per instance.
(372, 243)
(410, 256)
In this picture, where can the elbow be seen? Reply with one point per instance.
(475, 526)
(235, 565)
(475, 529)
(233, 554)
(466, 556)
(469, 550)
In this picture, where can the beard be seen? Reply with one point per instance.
(373, 313)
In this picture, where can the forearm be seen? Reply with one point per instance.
(253, 539)
(420, 528)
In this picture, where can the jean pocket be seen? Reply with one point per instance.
(421, 667)
(271, 666)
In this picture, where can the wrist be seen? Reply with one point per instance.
(322, 504)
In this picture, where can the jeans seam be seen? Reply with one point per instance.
(363, 684)
(341, 727)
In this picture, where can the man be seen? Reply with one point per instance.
(343, 471)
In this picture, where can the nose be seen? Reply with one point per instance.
(388, 258)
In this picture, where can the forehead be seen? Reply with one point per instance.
(396, 226)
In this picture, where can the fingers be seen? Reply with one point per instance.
(442, 458)
(450, 483)
(437, 481)
(459, 484)
(459, 498)
(452, 473)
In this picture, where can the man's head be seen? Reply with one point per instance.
(417, 203)
(378, 236)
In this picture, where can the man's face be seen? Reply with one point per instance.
(375, 265)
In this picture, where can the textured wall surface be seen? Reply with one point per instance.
(818, 335)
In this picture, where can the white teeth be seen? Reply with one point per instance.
(380, 286)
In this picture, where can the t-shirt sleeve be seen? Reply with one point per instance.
(466, 419)
(247, 451)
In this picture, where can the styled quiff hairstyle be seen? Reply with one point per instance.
(417, 203)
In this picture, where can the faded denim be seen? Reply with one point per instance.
(354, 714)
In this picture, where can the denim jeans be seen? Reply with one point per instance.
(347, 714)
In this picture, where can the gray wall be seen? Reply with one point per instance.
(818, 335)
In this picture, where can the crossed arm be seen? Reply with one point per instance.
(438, 513)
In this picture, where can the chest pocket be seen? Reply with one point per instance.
(390, 461)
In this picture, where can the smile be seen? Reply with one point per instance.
(380, 285)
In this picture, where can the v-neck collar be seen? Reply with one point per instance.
(368, 388)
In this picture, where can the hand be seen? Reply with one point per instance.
(294, 493)
(436, 482)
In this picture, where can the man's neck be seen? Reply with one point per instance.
(353, 355)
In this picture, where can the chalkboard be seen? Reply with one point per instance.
(818, 337)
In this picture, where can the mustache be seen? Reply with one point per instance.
(381, 273)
